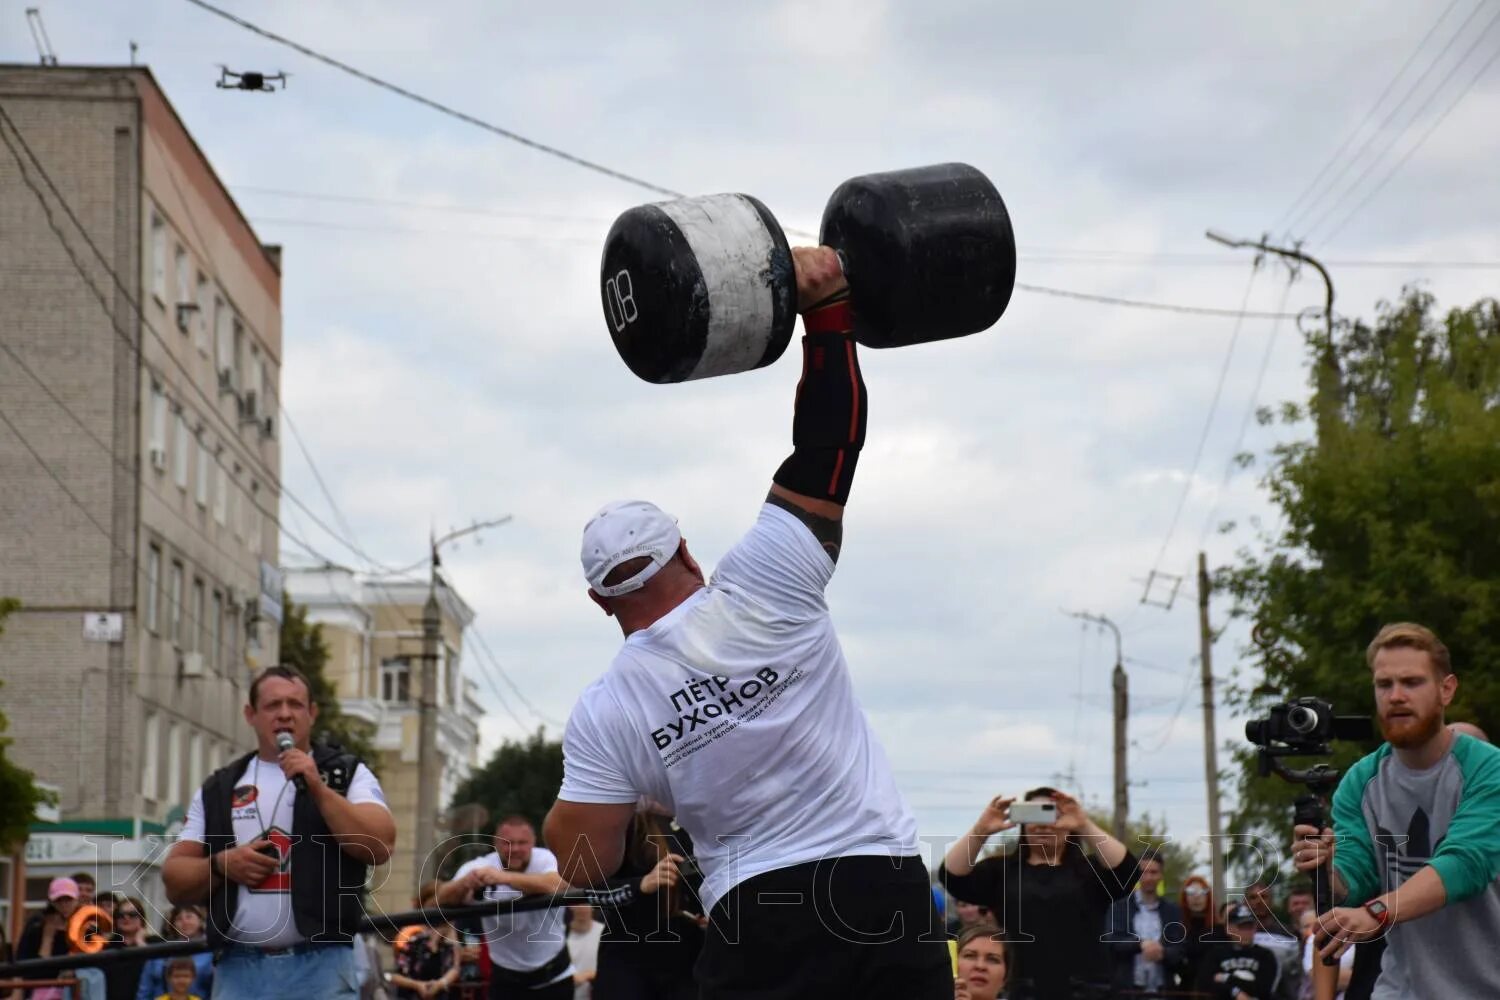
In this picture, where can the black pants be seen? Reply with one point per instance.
(560, 990)
(861, 928)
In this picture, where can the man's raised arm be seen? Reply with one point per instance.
(828, 423)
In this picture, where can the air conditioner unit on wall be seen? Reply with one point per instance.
(268, 428)
(226, 380)
(190, 665)
(159, 459)
(185, 312)
(248, 406)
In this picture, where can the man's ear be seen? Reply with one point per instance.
(603, 602)
(1447, 688)
(689, 561)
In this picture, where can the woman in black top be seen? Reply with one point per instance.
(427, 967)
(654, 933)
(1051, 897)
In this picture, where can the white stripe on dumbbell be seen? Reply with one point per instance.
(733, 250)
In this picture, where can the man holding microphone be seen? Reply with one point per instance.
(278, 845)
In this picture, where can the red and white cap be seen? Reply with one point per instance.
(625, 530)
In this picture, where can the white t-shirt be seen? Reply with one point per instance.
(262, 809)
(736, 710)
(584, 949)
(521, 942)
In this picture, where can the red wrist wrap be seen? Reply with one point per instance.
(835, 318)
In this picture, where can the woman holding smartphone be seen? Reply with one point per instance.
(1051, 897)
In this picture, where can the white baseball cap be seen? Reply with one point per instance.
(625, 530)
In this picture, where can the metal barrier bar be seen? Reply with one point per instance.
(388, 922)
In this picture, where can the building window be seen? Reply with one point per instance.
(153, 584)
(252, 514)
(174, 603)
(254, 395)
(150, 747)
(184, 286)
(223, 340)
(201, 321)
(158, 258)
(205, 464)
(156, 443)
(395, 680)
(237, 355)
(198, 625)
(174, 762)
(232, 659)
(216, 629)
(221, 495)
(181, 447)
(233, 514)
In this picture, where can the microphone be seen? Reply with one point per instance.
(284, 742)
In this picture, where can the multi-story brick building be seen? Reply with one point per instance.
(373, 628)
(140, 357)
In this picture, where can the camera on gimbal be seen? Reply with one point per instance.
(1304, 727)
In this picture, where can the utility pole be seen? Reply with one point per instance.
(1210, 739)
(1329, 380)
(1120, 685)
(429, 766)
(429, 769)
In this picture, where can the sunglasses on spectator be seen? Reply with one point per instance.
(1196, 890)
(128, 915)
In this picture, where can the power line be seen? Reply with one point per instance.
(1338, 153)
(1208, 421)
(426, 206)
(1349, 162)
(411, 231)
(1408, 154)
(495, 662)
(495, 689)
(206, 249)
(1029, 254)
(132, 558)
(1370, 165)
(1111, 300)
(210, 408)
(1250, 408)
(504, 133)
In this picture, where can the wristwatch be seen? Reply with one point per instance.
(1380, 912)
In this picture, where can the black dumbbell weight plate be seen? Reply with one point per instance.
(698, 287)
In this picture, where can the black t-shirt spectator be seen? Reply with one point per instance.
(1195, 946)
(1054, 914)
(646, 950)
(427, 956)
(1230, 966)
(122, 980)
(30, 944)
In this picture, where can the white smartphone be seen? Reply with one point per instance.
(1041, 813)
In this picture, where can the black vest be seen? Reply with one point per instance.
(328, 886)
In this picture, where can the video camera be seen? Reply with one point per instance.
(1304, 726)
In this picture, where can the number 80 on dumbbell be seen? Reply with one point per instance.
(705, 286)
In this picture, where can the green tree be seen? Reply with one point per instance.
(302, 646)
(19, 794)
(522, 778)
(1391, 512)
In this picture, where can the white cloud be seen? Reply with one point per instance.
(448, 374)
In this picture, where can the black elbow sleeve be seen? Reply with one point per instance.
(828, 426)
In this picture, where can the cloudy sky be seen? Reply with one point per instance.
(446, 358)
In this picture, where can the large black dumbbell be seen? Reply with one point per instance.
(705, 286)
